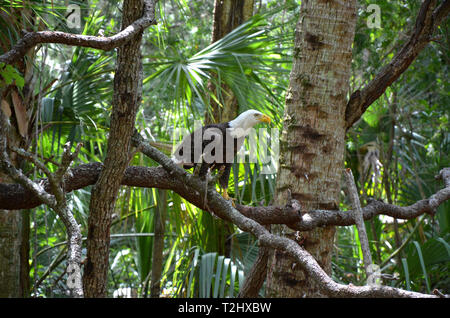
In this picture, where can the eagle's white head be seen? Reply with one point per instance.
(248, 119)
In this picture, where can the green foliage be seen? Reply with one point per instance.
(433, 254)
(254, 61)
(248, 60)
(408, 129)
(210, 275)
(10, 76)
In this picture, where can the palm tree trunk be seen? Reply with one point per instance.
(228, 14)
(312, 142)
(158, 243)
(14, 250)
(14, 238)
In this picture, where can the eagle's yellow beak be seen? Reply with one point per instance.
(264, 119)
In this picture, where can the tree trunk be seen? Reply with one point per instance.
(228, 14)
(312, 142)
(126, 100)
(14, 250)
(158, 243)
(14, 240)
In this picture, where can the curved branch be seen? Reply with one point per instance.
(327, 285)
(428, 19)
(16, 196)
(225, 210)
(31, 39)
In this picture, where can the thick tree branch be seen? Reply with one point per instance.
(31, 39)
(16, 196)
(125, 103)
(310, 219)
(327, 285)
(430, 16)
(359, 220)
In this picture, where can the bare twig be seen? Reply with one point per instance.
(358, 217)
(72, 227)
(439, 294)
(55, 200)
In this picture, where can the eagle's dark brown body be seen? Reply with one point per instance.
(216, 145)
(228, 145)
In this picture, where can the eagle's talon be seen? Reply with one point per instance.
(228, 198)
(225, 195)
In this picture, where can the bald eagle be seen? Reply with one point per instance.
(215, 146)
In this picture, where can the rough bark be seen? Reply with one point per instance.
(14, 243)
(14, 249)
(158, 244)
(228, 14)
(312, 141)
(126, 100)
